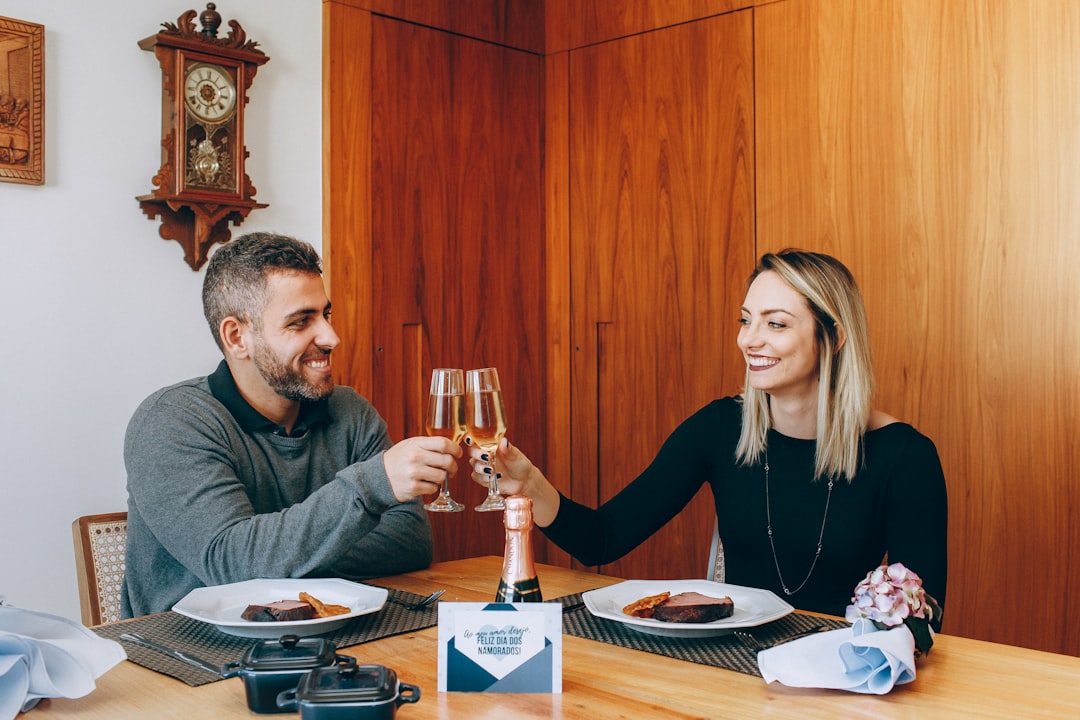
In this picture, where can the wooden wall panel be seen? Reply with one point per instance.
(934, 146)
(548, 27)
(457, 240)
(556, 131)
(514, 23)
(574, 24)
(346, 188)
(661, 197)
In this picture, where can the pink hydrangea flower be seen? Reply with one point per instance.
(889, 595)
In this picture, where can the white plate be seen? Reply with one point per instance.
(222, 605)
(752, 606)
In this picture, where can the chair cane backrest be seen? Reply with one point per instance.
(717, 570)
(100, 543)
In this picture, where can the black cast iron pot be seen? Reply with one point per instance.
(271, 666)
(349, 692)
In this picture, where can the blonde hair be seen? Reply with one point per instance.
(845, 371)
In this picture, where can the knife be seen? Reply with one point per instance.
(173, 652)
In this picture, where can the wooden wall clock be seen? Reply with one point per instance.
(202, 186)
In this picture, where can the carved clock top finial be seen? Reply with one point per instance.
(211, 20)
(184, 27)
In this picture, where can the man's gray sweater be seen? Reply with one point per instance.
(215, 499)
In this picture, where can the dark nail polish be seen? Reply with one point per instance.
(485, 457)
(487, 471)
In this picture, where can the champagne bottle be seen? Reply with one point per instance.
(519, 582)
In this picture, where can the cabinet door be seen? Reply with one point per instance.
(457, 252)
(661, 209)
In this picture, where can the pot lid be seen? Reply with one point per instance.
(349, 684)
(290, 652)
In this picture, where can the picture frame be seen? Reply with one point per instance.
(22, 102)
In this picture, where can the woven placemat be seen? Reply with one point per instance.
(724, 651)
(207, 642)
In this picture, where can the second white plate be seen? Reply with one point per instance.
(222, 605)
(753, 606)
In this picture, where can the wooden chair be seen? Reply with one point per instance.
(100, 541)
(717, 570)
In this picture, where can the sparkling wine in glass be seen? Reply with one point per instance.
(486, 420)
(445, 417)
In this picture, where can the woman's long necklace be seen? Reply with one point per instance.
(821, 535)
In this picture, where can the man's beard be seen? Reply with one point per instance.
(285, 381)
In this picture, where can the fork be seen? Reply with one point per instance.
(752, 643)
(421, 604)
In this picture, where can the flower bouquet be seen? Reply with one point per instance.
(890, 595)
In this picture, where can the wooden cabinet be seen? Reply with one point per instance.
(581, 208)
(457, 247)
(581, 221)
(932, 146)
(661, 242)
(454, 269)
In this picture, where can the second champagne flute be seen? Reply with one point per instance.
(486, 420)
(445, 417)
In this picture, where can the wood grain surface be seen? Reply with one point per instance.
(515, 23)
(930, 144)
(661, 203)
(458, 258)
(961, 677)
(933, 147)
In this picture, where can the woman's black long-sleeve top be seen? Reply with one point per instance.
(896, 504)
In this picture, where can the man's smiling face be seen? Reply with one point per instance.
(291, 348)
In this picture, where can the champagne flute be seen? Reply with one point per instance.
(446, 418)
(486, 420)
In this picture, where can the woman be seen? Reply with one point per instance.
(812, 486)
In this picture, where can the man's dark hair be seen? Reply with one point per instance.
(236, 277)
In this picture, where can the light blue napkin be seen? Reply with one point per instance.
(47, 656)
(859, 659)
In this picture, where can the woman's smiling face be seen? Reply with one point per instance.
(778, 338)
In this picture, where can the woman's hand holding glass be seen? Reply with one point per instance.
(516, 476)
(486, 423)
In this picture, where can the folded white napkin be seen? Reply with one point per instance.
(860, 659)
(45, 656)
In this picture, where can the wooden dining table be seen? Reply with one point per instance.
(961, 677)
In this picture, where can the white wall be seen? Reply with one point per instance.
(99, 310)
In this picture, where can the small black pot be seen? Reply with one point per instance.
(271, 666)
(349, 692)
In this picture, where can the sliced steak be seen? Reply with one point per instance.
(692, 607)
(280, 611)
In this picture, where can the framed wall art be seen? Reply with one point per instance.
(22, 102)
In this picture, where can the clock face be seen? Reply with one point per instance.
(209, 92)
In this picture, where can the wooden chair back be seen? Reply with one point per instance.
(100, 542)
(717, 570)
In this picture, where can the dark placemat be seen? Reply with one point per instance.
(724, 651)
(207, 642)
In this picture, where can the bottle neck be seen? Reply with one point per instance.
(518, 557)
(519, 582)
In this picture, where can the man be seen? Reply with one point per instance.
(265, 468)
